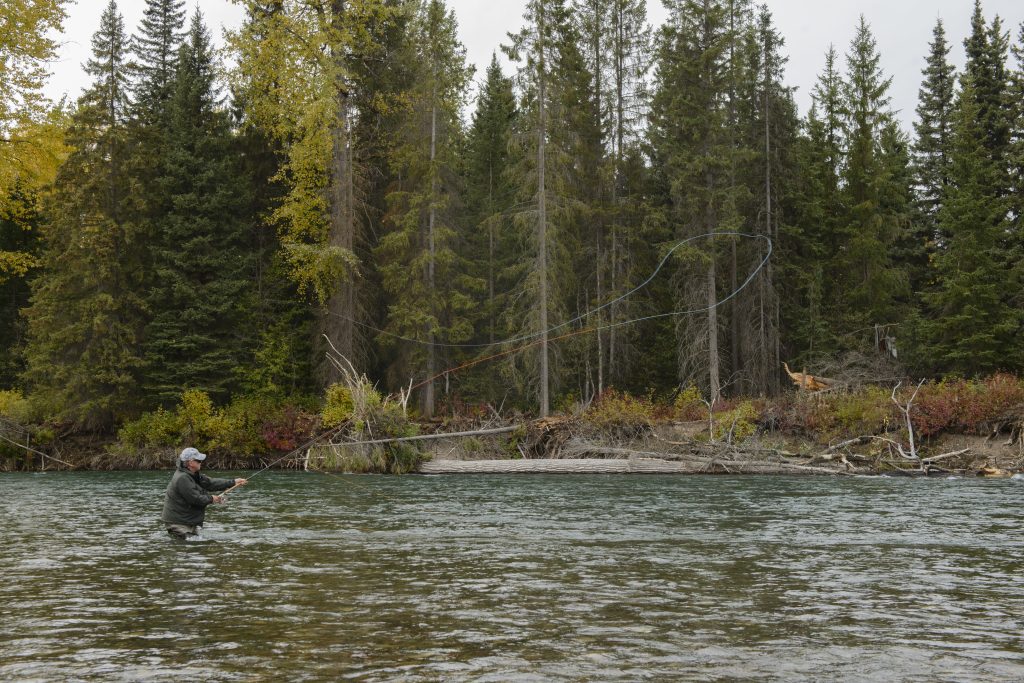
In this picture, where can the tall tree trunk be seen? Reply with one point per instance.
(714, 386)
(773, 352)
(767, 347)
(735, 310)
(490, 252)
(542, 220)
(713, 367)
(341, 307)
(736, 306)
(600, 251)
(428, 392)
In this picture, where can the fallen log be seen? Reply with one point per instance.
(928, 461)
(614, 466)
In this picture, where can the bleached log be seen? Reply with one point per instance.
(928, 461)
(613, 466)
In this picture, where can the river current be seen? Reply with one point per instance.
(309, 577)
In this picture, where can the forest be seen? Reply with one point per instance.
(628, 210)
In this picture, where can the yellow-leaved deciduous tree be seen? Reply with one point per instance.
(37, 150)
(30, 128)
(297, 72)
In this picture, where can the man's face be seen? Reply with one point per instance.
(193, 466)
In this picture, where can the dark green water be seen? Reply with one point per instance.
(530, 578)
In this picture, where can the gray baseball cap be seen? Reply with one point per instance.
(192, 454)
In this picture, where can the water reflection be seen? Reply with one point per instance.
(575, 578)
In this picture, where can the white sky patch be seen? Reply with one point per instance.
(902, 28)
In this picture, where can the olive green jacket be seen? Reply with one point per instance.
(187, 497)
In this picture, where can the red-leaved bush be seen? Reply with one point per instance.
(965, 405)
(288, 428)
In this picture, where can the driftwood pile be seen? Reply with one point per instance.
(568, 445)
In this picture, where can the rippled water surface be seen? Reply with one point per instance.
(528, 578)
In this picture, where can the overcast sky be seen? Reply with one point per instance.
(903, 29)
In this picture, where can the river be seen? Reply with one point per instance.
(310, 577)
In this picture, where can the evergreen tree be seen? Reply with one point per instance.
(489, 194)
(969, 327)
(85, 317)
(868, 278)
(931, 150)
(577, 175)
(197, 336)
(154, 48)
(770, 125)
(811, 240)
(986, 49)
(691, 142)
(615, 42)
(20, 221)
(828, 134)
(897, 204)
(1017, 157)
(156, 55)
(536, 45)
(282, 361)
(417, 257)
(630, 53)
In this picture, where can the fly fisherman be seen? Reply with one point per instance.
(188, 495)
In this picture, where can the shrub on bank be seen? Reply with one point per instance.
(966, 405)
(737, 422)
(360, 412)
(955, 405)
(619, 414)
(868, 410)
(689, 405)
(247, 426)
(14, 406)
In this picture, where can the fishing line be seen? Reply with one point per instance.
(541, 337)
(512, 340)
(287, 455)
(308, 444)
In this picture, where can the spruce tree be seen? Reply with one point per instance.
(536, 46)
(85, 317)
(282, 357)
(155, 48)
(1017, 98)
(828, 134)
(869, 280)
(489, 244)
(417, 257)
(969, 325)
(812, 238)
(615, 43)
(197, 337)
(489, 194)
(986, 49)
(691, 141)
(577, 180)
(154, 58)
(897, 204)
(630, 53)
(769, 124)
(1016, 159)
(931, 149)
(20, 248)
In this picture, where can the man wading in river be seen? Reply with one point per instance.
(188, 495)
